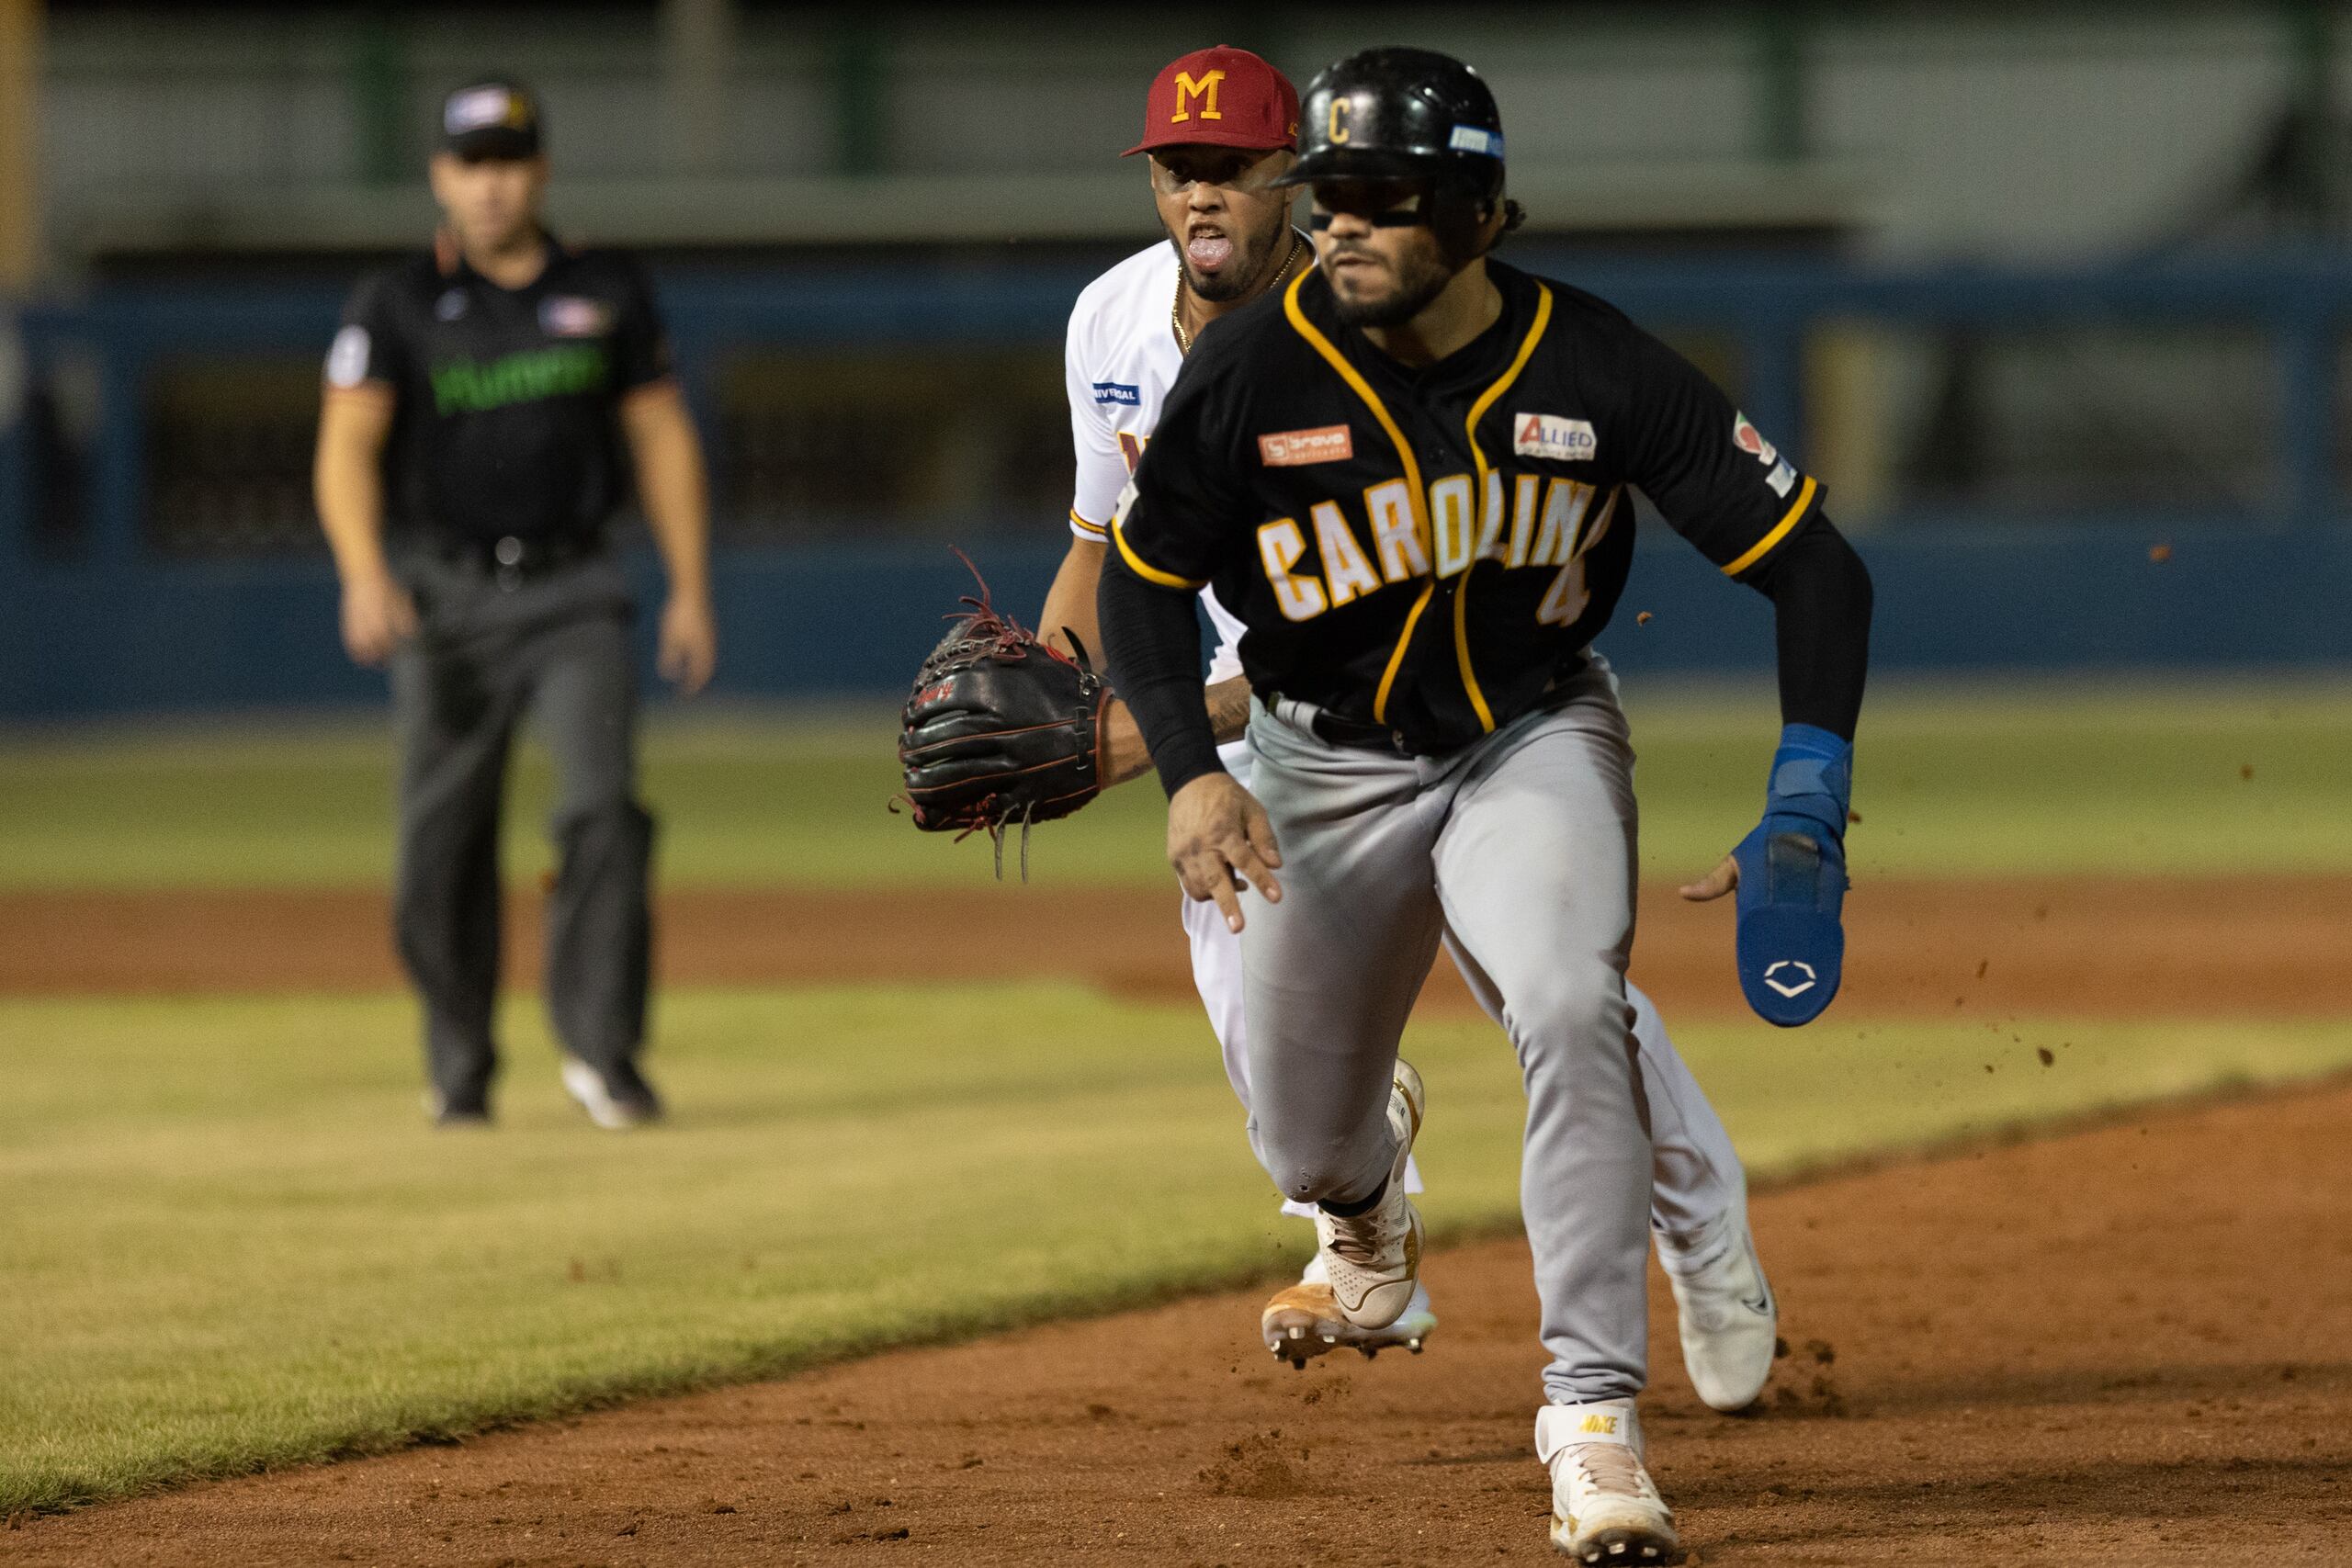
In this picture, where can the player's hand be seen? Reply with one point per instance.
(1220, 840)
(378, 616)
(689, 648)
(1716, 883)
(1124, 756)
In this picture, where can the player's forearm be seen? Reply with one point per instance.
(1228, 703)
(347, 484)
(1152, 636)
(1126, 756)
(672, 488)
(1069, 602)
(1821, 601)
(351, 512)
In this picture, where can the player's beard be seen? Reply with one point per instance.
(1421, 277)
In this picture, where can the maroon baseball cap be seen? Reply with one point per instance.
(1226, 97)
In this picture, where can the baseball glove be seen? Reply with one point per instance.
(1000, 728)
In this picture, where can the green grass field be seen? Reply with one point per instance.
(246, 1249)
(229, 1241)
(1948, 784)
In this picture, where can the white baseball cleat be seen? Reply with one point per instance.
(1605, 1508)
(617, 1101)
(1373, 1259)
(1303, 1321)
(1729, 1323)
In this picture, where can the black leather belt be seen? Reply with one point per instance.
(513, 558)
(1361, 735)
(1357, 734)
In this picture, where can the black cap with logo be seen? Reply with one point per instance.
(495, 118)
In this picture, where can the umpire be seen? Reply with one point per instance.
(485, 404)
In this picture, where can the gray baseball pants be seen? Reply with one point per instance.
(551, 648)
(1695, 1174)
(1522, 847)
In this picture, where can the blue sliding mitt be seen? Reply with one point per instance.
(1791, 945)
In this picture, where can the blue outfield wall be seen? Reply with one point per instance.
(849, 622)
(117, 630)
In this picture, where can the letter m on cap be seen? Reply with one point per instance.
(1204, 90)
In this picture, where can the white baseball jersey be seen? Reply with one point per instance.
(1119, 359)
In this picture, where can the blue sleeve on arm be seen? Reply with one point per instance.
(1813, 777)
(1791, 947)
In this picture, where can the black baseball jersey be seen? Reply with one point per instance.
(1427, 548)
(504, 423)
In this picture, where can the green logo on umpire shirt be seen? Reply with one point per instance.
(465, 387)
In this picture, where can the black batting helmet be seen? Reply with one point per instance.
(1408, 114)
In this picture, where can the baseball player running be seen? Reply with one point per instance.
(1221, 128)
(1405, 474)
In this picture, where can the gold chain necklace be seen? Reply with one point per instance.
(1176, 306)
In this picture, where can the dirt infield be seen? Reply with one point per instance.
(2120, 1346)
(2251, 946)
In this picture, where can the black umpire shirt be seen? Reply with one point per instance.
(505, 422)
(1426, 549)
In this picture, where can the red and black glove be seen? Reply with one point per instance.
(1000, 728)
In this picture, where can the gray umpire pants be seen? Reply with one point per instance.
(1522, 846)
(553, 646)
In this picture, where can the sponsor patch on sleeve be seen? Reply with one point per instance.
(1295, 448)
(1548, 435)
(347, 360)
(1119, 392)
(1783, 479)
(1750, 440)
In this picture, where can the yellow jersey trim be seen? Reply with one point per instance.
(1763, 547)
(1095, 530)
(1519, 363)
(1487, 399)
(1461, 652)
(1396, 659)
(1363, 388)
(1144, 570)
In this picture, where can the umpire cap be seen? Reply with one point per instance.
(1402, 114)
(495, 117)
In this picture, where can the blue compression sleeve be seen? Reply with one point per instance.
(1791, 941)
